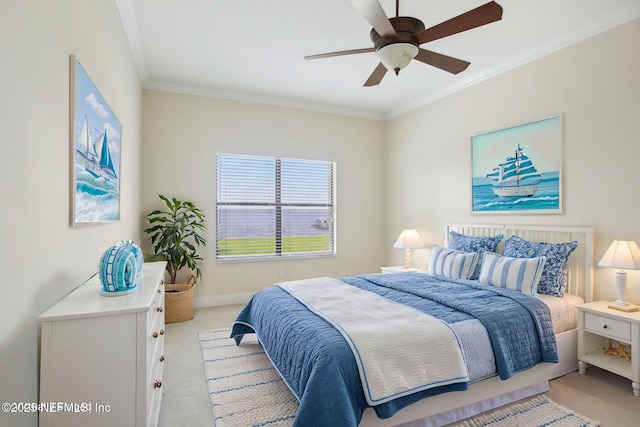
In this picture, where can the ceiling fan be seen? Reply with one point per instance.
(397, 40)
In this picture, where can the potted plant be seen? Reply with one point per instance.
(175, 234)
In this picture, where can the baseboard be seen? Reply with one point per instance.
(218, 300)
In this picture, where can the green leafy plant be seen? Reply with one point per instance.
(175, 235)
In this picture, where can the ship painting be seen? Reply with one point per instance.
(516, 177)
(95, 155)
(518, 169)
(96, 140)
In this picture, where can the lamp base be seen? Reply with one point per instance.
(621, 302)
(623, 306)
(407, 258)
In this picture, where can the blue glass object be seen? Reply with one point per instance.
(137, 252)
(118, 270)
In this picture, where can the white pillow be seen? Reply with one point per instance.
(517, 274)
(453, 264)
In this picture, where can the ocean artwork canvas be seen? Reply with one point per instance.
(95, 152)
(518, 169)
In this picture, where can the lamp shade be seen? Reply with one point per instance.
(396, 56)
(622, 254)
(409, 239)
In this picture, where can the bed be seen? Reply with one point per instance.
(317, 341)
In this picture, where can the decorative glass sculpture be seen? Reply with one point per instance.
(137, 252)
(118, 271)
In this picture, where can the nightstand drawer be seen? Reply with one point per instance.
(609, 327)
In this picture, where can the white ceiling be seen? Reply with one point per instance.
(253, 50)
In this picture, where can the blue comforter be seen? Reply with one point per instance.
(319, 367)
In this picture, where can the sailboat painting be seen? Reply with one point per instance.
(518, 169)
(95, 152)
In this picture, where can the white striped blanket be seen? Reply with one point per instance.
(398, 350)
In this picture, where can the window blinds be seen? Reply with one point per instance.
(274, 207)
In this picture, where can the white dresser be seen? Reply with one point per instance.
(101, 357)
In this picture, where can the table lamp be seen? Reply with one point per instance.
(408, 239)
(624, 255)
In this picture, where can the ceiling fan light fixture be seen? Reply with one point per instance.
(396, 56)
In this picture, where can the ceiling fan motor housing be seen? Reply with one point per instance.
(406, 27)
(395, 53)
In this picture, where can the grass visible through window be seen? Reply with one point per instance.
(266, 245)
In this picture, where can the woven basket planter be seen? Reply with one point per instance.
(178, 301)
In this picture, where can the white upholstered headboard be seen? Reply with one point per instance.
(580, 271)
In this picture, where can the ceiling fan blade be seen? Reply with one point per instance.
(376, 77)
(444, 62)
(340, 53)
(374, 14)
(477, 17)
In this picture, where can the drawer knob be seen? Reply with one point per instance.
(162, 358)
(605, 326)
(159, 309)
(155, 335)
(157, 384)
(161, 331)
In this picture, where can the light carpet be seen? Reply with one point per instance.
(247, 391)
(244, 387)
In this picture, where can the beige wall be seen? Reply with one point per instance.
(593, 84)
(41, 257)
(182, 134)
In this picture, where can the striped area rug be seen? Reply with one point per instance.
(246, 391)
(537, 412)
(244, 387)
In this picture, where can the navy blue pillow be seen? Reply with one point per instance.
(554, 275)
(479, 244)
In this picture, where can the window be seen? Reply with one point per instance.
(270, 207)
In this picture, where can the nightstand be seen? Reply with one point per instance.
(397, 269)
(598, 327)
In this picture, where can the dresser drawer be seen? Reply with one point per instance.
(155, 338)
(157, 304)
(155, 351)
(608, 327)
(154, 394)
(155, 324)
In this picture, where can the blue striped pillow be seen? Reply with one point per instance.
(517, 274)
(453, 264)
